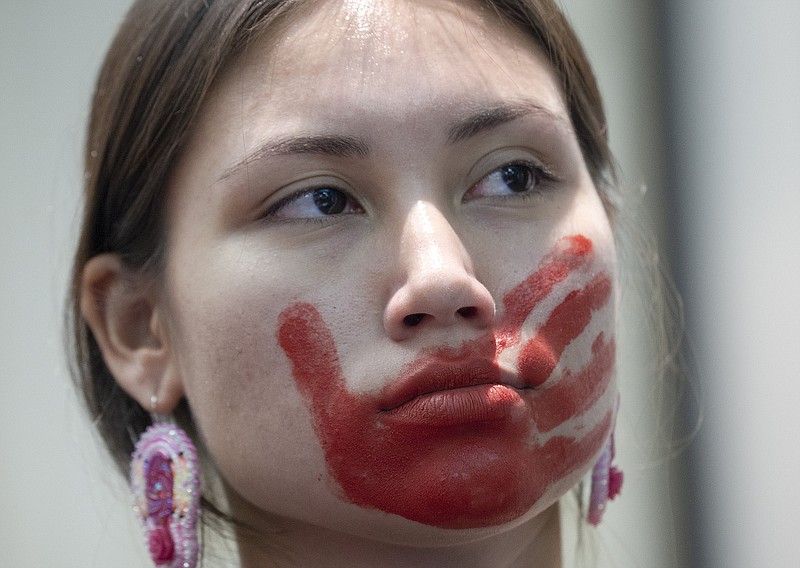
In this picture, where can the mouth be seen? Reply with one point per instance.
(447, 393)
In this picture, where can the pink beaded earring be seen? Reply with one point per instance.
(606, 482)
(165, 482)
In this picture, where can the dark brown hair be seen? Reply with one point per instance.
(165, 57)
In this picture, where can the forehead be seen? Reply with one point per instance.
(394, 57)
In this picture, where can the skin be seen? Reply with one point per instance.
(428, 229)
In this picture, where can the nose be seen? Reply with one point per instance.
(437, 285)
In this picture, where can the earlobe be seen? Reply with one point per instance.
(122, 311)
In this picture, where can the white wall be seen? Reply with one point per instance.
(736, 80)
(64, 505)
(58, 509)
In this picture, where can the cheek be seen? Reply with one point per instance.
(477, 474)
(242, 396)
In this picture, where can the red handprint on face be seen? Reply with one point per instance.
(484, 453)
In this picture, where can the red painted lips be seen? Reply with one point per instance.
(453, 391)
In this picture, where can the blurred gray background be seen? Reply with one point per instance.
(704, 110)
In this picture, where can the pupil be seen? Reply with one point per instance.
(517, 178)
(329, 201)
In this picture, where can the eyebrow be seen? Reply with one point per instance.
(320, 144)
(343, 146)
(487, 118)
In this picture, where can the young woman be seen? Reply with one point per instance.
(362, 253)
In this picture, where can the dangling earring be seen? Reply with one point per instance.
(606, 482)
(165, 482)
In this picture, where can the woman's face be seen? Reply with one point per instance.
(390, 277)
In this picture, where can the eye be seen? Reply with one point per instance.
(314, 203)
(516, 178)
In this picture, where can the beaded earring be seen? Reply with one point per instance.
(606, 482)
(165, 482)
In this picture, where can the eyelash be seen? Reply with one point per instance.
(540, 174)
(272, 212)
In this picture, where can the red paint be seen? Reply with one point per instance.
(446, 444)
(540, 355)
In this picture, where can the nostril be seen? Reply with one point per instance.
(467, 312)
(413, 319)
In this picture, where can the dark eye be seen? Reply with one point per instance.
(510, 179)
(314, 203)
(329, 201)
(517, 177)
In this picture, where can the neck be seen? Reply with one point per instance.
(291, 544)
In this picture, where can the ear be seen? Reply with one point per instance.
(122, 311)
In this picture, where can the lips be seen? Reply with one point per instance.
(441, 392)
